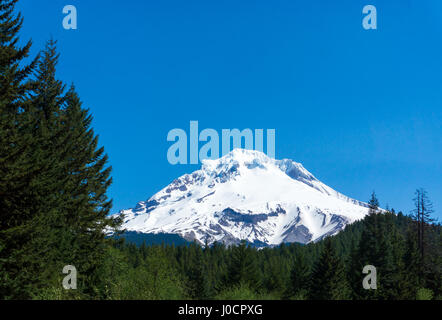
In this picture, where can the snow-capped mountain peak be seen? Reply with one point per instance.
(246, 195)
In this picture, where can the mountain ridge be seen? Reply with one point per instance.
(245, 195)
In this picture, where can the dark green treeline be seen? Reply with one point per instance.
(330, 269)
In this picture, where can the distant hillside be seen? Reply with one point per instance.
(153, 239)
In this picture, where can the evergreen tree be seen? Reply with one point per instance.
(58, 212)
(274, 280)
(368, 251)
(422, 215)
(299, 277)
(328, 278)
(44, 106)
(199, 286)
(86, 205)
(391, 268)
(382, 246)
(16, 163)
(243, 269)
(412, 265)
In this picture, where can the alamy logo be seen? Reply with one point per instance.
(70, 281)
(370, 281)
(70, 21)
(230, 139)
(370, 20)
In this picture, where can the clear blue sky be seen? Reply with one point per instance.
(360, 109)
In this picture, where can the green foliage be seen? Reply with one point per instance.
(243, 269)
(241, 292)
(273, 273)
(328, 279)
(290, 271)
(53, 176)
(199, 285)
(151, 277)
(424, 294)
(299, 278)
(15, 163)
(383, 246)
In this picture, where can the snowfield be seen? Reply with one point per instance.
(246, 195)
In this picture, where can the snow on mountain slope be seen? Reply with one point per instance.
(246, 195)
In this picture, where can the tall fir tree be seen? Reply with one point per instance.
(86, 206)
(16, 163)
(328, 278)
(391, 268)
(54, 207)
(243, 268)
(382, 246)
(422, 215)
(274, 271)
(412, 264)
(198, 284)
(299, 277)
(46, 188)
(368, 251)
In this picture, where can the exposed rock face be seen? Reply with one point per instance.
(246, 195)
